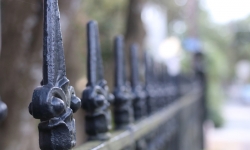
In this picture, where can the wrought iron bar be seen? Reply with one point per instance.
(156, 93)
(200, 73)
(96, 97)
(3, 106)
(123, 112)
(199, 68)
(54, 101)
(148, 83)
(139, 101)
(3, 111)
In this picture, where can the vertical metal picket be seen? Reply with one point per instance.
(54, 101)
(148, 83)
(3, 107)
(123, 112)
(96, 97)
(3, 111)
(200, 74)
(139, 98)
(139, 101)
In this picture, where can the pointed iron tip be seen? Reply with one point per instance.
(100, 72)
(53, 57)
(95, 65)
(119, 44)
(91, 24)
(119, 38)
(92, 53)
(134, 65)
(119, 61)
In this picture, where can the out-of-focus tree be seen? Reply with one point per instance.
(217, 46)
(240, 41)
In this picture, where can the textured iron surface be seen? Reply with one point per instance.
(3, 111)
(96, 97)
(54, 101)
(123, 111)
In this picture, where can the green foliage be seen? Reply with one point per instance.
(186, 62)
(217, 46)
(240, 43)
(111, 17)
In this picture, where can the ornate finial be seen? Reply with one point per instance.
(55, 101)
(123, 111)
(96, 96)
(3, 111)
(139, 101)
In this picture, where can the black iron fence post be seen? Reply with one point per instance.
(123, 111)
(96, 97)
(139, 101)
(200, 74)
(148, 83)
(3, 111)
(140, 97)
(54, 101)
(3, 107)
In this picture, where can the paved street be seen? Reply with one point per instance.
(235, 134)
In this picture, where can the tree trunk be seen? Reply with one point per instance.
(135, 32)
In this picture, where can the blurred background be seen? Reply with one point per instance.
(170, 30)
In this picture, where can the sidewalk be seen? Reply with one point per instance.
(235, 134)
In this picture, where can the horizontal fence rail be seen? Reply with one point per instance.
(124, 138)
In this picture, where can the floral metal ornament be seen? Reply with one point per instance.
(54, 102)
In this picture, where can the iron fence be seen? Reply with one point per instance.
(161, 112)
